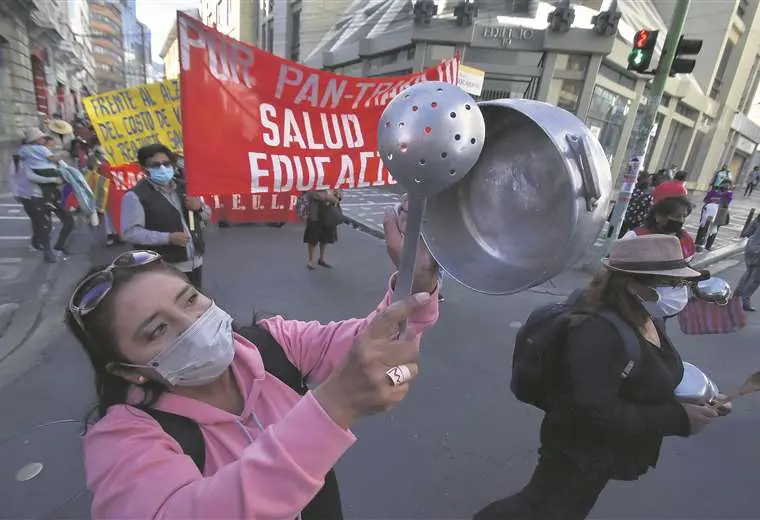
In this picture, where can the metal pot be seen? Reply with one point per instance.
(713, 290)
(532, 205)
(695, 387)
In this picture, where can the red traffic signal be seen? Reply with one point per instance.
(641, 38)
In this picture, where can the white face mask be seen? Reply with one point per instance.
(200, 355)
(670, 301)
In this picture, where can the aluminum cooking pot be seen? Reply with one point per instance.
(713, 290)
(530, 208)
(695, 387)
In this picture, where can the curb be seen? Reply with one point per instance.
(704, 260)
(27, 315)
(31, 312)
(722, 253)
(364, 227)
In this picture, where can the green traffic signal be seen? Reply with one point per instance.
(641, 54)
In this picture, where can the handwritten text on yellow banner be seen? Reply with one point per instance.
(130, 118)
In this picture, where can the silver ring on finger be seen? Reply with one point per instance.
(399, 375)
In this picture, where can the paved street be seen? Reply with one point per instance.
(368, 206)
(459, 426)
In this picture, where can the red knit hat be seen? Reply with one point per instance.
(669, 189)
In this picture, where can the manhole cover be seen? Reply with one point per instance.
(41, 469)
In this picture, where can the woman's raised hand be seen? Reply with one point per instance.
(360, 385)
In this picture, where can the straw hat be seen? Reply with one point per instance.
(33, 133)
(653, 255)
(60, 127)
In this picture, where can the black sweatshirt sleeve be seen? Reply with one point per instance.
(596, 357)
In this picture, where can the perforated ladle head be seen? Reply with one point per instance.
(430, 136)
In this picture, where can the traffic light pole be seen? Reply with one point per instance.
(643, 127)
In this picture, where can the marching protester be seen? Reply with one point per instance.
(324, 215)
(675, 187)
(714, 214)
(753, 179)
(158, 215)
(750, 280)
(607, 414)
(667, 217)
(638, 207)
(38, 165)
(198, 421)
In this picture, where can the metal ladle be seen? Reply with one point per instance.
(429, 137)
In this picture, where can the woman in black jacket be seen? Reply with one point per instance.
(602, 426)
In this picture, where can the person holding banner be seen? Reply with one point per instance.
(193, 423)
(157, 214)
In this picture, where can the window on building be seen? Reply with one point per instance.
(741, 8)
(696, 147)
(295, 35)
(686, 111)
(605, 118)
(263, 36)
(617, 77)
(722, 66)
(517, 7)
(40, 85)
(270, 36)
(748, 96)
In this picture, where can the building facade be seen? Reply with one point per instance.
(294, 28)
(702, 120)
(136, 45)
(44, 70)
(236, 18)
(107, 32)
(170, 51)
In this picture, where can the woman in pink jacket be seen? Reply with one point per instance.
(193, 424)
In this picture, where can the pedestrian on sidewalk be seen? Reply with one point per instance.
(322, 221)
(721, 176)
(157, 214)
(35, 160)
(750, 280)
(199, 421)
(609, 412)
(753, 179)
(715, 214)
(29, 196)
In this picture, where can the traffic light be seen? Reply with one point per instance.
(688, 48)
(640, 56)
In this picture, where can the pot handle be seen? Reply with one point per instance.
(589, 174)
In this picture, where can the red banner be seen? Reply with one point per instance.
(256, 123)
(236, 208)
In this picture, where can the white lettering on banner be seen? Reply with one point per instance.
(332, 92)
(339, 130)
(289, 173)
(227, 60)
(278, 201)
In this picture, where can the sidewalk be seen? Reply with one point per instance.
(364, 209)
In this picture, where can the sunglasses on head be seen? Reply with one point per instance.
(156, 165)
(92, 290)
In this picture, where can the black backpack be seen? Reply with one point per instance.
(538, 350)
(326, 504)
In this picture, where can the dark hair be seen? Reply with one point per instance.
(681, 175)
(99, 343)
(148, 151)
(608, 289)
(664, 208)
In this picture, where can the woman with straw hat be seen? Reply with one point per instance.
(609, 415)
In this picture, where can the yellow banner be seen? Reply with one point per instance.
(130, 118)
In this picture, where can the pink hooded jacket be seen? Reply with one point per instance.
(267, 463)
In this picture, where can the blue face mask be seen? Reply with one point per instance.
(161, 174)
